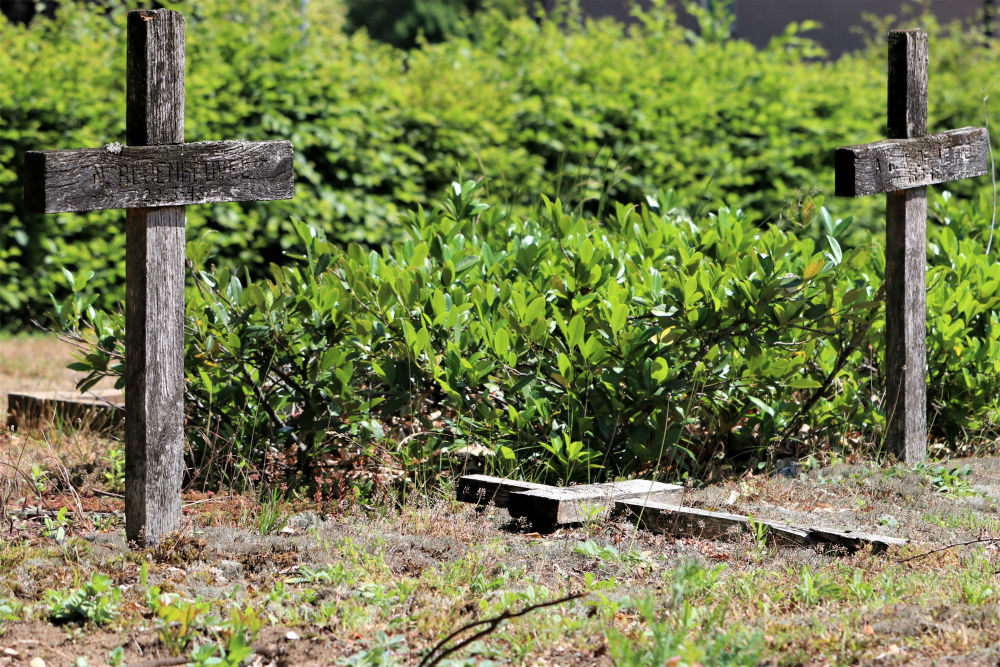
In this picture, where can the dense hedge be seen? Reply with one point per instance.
(572, 348)
(588, 112)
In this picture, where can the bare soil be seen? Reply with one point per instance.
(421, 567)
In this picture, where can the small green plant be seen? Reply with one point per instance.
(116, 656)
(10, 609)
(690, 578)
(758, 533)
(39, 478)
(609, 554)
(335, 574)
(180, 621)
(382, 652)
(55, 527)
(114, 476)
(96, 601)
(271, 517)
(953, 481)
(813, 587)
(688, 638)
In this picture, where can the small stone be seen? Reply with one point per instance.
(36, 662)
(11, 652)
(292, 636)
(303, 521)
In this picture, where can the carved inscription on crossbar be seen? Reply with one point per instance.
(903, 167)
(145, 176)
(900, 164)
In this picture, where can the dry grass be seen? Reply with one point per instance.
(35, 362)
(346, 580)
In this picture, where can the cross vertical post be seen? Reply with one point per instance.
(902, 167)
(906, 258)
(154, 287)
(154, 178)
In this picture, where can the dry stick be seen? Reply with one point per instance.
(491, 623)
(981, 540)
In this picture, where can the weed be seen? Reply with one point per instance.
(116, 656)
(609, 554)
(55, 528)
(10, 609)
(272, 516)
(690, 579)
(380, 654)
(953, 481)
(758, 533)
(335, 574)
(39, 478)
(813, 587)
(179, 623)
(685, 639)
(95, 601)
(114, 476)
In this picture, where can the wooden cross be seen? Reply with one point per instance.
(154, 177)
(903, 167)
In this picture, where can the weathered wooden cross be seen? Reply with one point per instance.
(903, 167)
(154, 177)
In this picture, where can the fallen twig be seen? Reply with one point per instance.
(949, 546)
(492, 624)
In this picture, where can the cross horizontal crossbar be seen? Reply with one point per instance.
(117, 176)
(901, 164)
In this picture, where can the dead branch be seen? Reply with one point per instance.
(430, 660)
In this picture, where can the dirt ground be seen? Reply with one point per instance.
(381, 582)
(217, 560)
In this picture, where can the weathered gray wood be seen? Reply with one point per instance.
(153, 178)
(558, 506)
(485, 489)
(903, 167)
(118, 176)
(154, 288)
(96, 410)
(906, 325)
(906, 101)
(674, 519)
(898, 164)
(906, 258)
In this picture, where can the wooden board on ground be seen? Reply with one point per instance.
(98, 409)
(558, 506)
(485, 489)
(549, 506)
(673, 519)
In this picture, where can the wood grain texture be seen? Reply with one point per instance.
(154, 289)
(906, 324)
(673, 519)
(485, 489)
(146, 176)
(907, 92)
(154, 70)
(97, 410)
(906, 258)
(898, 164)
(558, 506)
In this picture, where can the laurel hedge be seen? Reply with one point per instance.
(590, 112)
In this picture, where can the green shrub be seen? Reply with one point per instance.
(574, 349)
(588, 112)
(402, 22)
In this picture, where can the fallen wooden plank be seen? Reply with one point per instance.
(552, 506)
(98, 409)
(661, 517)
(485, 489)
